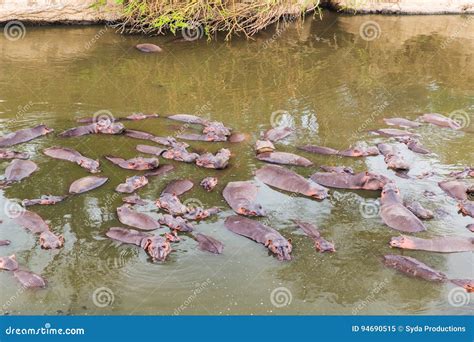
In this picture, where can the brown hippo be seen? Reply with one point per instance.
(241, 198)
(467, 284)
(456, 189)
(413, 145)
(218, 161)
(337, 169)
(237, 137)
(321, 244)
(171, 204)
(135, 219)
(359, 152)
(283, 158)
(29, 279)
(149, 48)
(287, 180)
(86, 184)
(6, 154)
(105, 126)
(188, 118)
(467, 172)
(216, 128)
(209, 183)
(359, 181)
(470, 227)
(393, 132)
(202, 137)
(168, 141)
(197, 213)
(178, 187)
(413, 267)
(71, 155)
(18, 170)
(278, 133)
(5, 242)
(466, 208)
(260, 233)
(176, 223)
(44, 200)
(31, 221)
(48, 240)
(445, 244)
(209, 244)
(420, 212)
(147, 149)
(134, 199)
(139, 164)
(328, 151)
(180, 153)
(132, 117)
(394, 214)
(401, 122)
(392, 157)
(262, 146)
(440, 120)
(159, 171)
(8, 263)
(131, 184)
(24, 135)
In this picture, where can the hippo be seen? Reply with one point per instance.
(168, 141)
(467, 172)
(466, 208)
(188, 118)
(105, 126)
(176, 223)
(237, 137)
(159, 171)
(209, 244)
(420, 212)
(440, 120)
(456, 189)
(135, 219)
(131, 184)
(262, 146)
(180, 154)
(284, 158)
(147, 149)
(394, 214)
(392, 157)
(6, 154)
(134, 199)
(328, 151)
(467, 284)
(31, 221)
(241, 198)
(287, 180)
(149, 48)
(359, 181)
(413, 145)
(29, 279)
(139, 164)
(24, 135)
(445, 244)
(171, 204)
(178, 187)
(405, 123)
(337, 169)
(18, 170)
(197, 213)
(209, 183)
(359, 152)
(8, 263)
(132, 117)
(73, 156)
(260, 233)
(278, 133)
(216, 128)
(470, 227)
(202, 137)
(218, 161)
(48, 240)
(413, 267)
(321, 244)
(393, 132)
(5, 242)
(44, 200)
(125, 235)
(86, 184)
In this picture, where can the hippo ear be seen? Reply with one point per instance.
(289, 241)
(147, 243)
(61, 238)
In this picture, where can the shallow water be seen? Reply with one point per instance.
(322, 78)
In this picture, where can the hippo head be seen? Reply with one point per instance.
(324, 245)
(251, 209)
(372, 181)
(91, 165)
(390, 193)
(401, 242)
(280, 247)
(50, 241)
(173, 236)
(8, 263)
(157, 247)
(318, 193)
(46, 130)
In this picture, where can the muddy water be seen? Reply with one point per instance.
(322, 78)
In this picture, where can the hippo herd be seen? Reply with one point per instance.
(242, 195)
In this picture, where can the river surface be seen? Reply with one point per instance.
(328, 79)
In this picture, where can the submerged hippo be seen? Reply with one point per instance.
(202, 137)
(321, 244)
(237, 137)
(467, 172)
(18, 170)
(73, 156)
(178, 187)
(467, 284)
(278, 133)
(393, 132)
(401, 122)
(29, 279)
(466, 208)
(147, 47)
(420, 212)
(413, 145)
(197, 213)
(344, 180)
(6, 154)
(440, 120)
(328, 151)
(456, 189)
(135, 219)
(48, 240)
(241, 198)
(180, 153)
(8, 263)
(337, 169)
(470, 227)
(159, 171)
(105, 126)
(24, 135)
(218, 161)
(5, 242)
(209, 244)
(216, 128)
(171, 204)
(413, 267)
(131, 184)
(445, 244)
(262, 146)
(350, 152)
(287, 180)
(176, 223)
(31, 221)
(394, 214)
(283, 158)
(209, 183)
(188, 118)
(147, 149)
(44, 200)
(392, 157)
(86, 184)
(260, 233)
(134, 199)
(139, 164)
(132, 117)
(165, 141)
